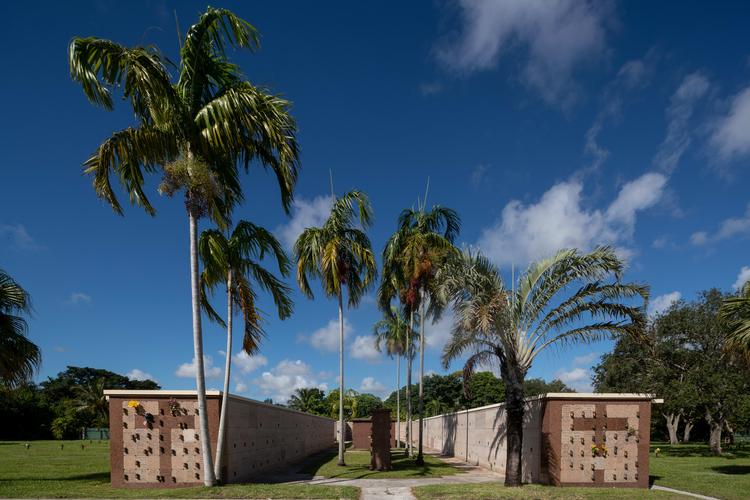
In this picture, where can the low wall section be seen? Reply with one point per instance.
(166, 451)
(559, 432)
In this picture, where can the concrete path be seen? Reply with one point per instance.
(681, 492)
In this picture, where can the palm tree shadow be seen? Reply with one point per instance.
(732, 469)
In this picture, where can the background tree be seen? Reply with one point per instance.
(195, 129)
(310, 400)
(735, 311)
(390, 334)
(236, 262)
(340, 255)
(365, 404)
(19, 357)
(511, 327)
(90, 398)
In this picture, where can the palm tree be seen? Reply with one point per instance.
(511, 327)
(19, 357)
(736, 312)
(340, 255)
(194, 131)
(423, 241)
(236, 262)
(90, 398)
(309, 400)
(391, 332)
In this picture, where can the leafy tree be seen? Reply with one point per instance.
(340, 255)
(19, 357)
(310, 400)
(235, 261)
(24, 414)
(195, 130)
(411, 258)
(391, 333)
(511, 327)
(484, 388)
(365, 404)
(90, 398)
(735, 311)
(537, 386)
(334, 399)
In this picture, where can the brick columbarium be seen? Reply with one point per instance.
(569, 439)
(155, 442)
(380, 440)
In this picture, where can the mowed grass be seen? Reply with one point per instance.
(691, 467)
(532, 492)
(47, 471)
(358, 467)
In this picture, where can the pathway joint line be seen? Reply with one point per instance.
(681, 492)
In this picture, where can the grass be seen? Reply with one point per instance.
(358, 467)
(45, 470)
(691, 467)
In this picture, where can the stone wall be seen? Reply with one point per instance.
(164, 450)
(559, 431)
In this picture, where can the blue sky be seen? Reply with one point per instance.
(544, 125)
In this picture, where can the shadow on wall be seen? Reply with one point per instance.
(450, 424)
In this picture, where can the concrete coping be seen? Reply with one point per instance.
(163, 393)
(577, 396)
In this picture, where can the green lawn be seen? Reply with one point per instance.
(692, 468)
(46, 470)
(358, 463)
(532, 492)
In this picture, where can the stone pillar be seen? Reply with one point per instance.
(380, 440)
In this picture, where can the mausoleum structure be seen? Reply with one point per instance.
(569, 439)
(155, 439)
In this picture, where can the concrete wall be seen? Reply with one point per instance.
(559, 430)
(167, 451)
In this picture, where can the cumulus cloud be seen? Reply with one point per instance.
(731, 136)
(18, 237)
(241, 387)
(585, 359)
(77, 298)
(682, 104)
(576, 378)
(554, 38)
(188, 370)
(286, 377)
(438, 332)
(136, 374)
(246, 363)
(372, 386)
(305, 213)
(729, 228)
(363, 348)
(662, 303)
(559, 220)
(326, 338)
(742, 278)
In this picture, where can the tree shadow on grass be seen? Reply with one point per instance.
(701, 450)
(401, 466)
(652, 479)
(732, 469)
(94, 476)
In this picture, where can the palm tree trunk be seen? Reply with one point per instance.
(398, 400)
(420, 457)
(342, 425)
(408, 384)
(225, 394)
(514, 410)
(200, 377)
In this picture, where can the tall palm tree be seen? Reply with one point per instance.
(390, 333)
(736, 312)
(235, 261)
(308, 399)
(194, 131)
(340, 255)
(90, 398)
(19, 357)
(412, 256)
(511, 327)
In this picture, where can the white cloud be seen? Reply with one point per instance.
(188, 370)
(553, 37)
(247, 363)
(305, 213)
(729, 228)
(77, 298)
(731, 136)
(17, 236)
(438, 333)
(280, 382)
(363, 348)
(525, 233)
(478, 175)
(585, 359)
(372, 386)
(662, 303)
(576, 378)
(136, 374)
(241, 387)
(327, 338)
(742, 278)
(692, 88)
